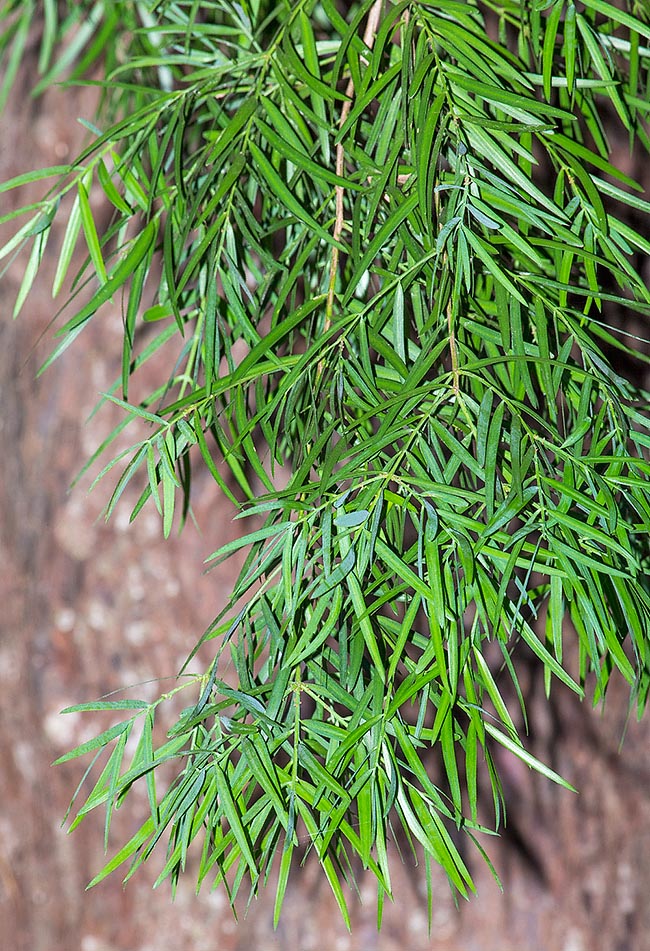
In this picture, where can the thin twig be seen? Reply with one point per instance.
(453, 350)
(372, 23)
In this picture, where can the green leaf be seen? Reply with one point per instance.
(126, 852)
(480, 249)
(233, 817)
(99, 741)
(67, 248)
(28, 178)
(107, 705)
(92, 239)
(514, 747)
(115, 280)
(280, 190)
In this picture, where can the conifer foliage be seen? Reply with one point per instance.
(388, 256)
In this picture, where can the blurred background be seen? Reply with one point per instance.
(87, 608)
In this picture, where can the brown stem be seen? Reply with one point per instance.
(453, 349)
(372, 23)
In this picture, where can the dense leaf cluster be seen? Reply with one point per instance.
(387, 248)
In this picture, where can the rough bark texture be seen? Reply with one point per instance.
(87, 608)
